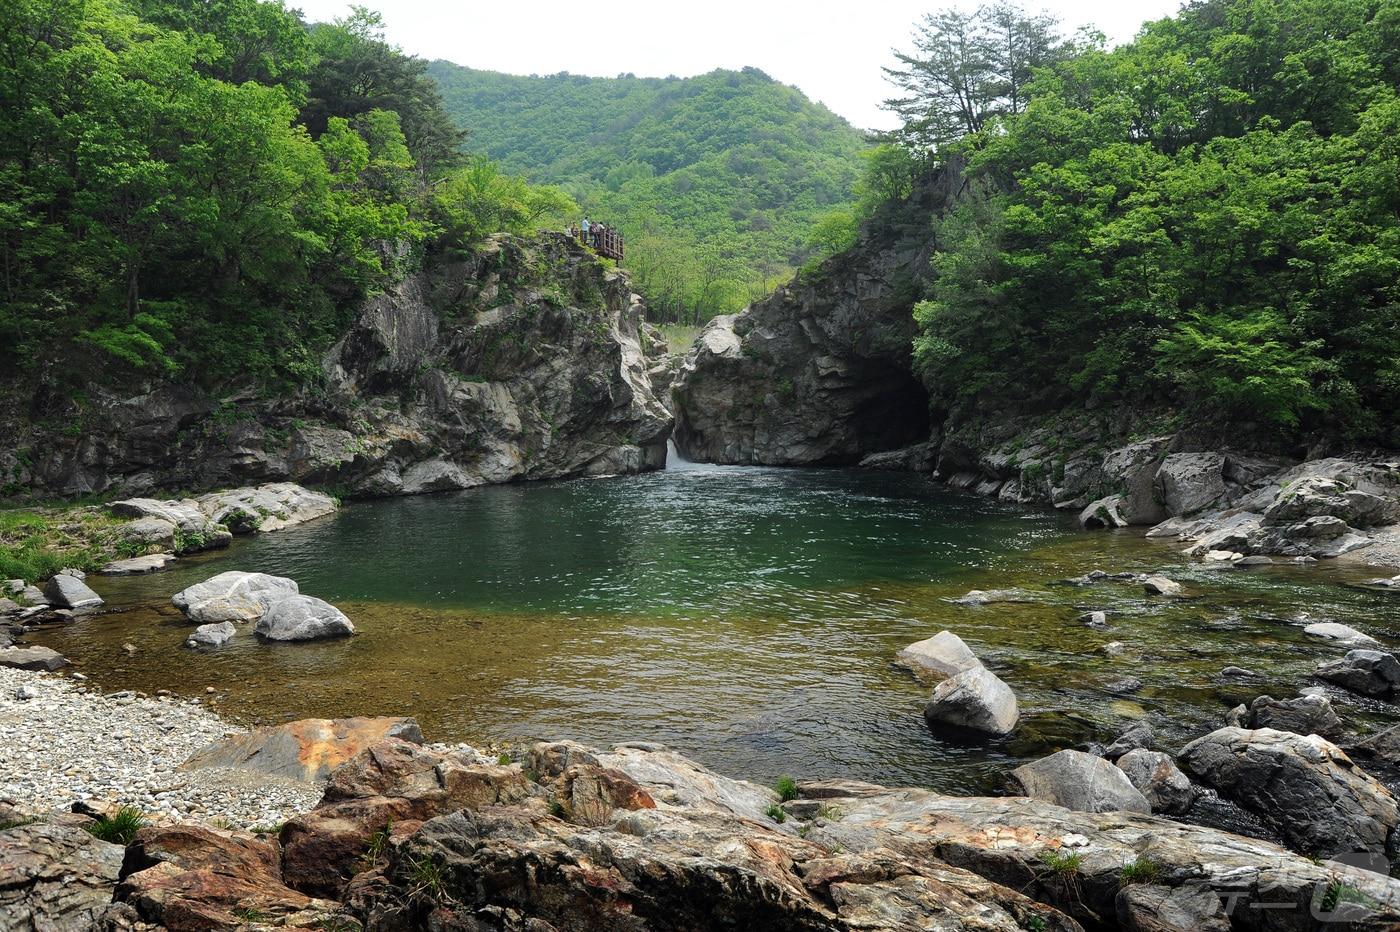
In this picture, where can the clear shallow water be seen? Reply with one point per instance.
(746, 617)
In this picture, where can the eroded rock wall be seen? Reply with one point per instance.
(528, 360)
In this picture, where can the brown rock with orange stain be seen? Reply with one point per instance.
(188, 878)
(308, 749)
(591, 794)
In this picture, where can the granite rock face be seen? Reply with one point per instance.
(821, 372)
(525, 360)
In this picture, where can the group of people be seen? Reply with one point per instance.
(593, 233)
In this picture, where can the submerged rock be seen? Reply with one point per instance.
(302, 618)
(233, 596)
(938, 657)
(976, 700)
(1078, 781)
(1305, 787)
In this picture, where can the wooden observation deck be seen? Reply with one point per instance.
(605, 241)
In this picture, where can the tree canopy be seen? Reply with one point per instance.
(1206, 219)
(209, 189)
(714, 180)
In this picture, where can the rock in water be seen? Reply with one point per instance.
(1104, 513)
(938, 657)
(303, 618)
(215, 635)
(308, 749)
(70, 592)
(137, 566)
(55, 877)
(266, 508)
(1303, 715)
(1161, 585)
(1370, 672)
(975, 700)
(32, 658)
(1158, 779)
(233, 596)
(1078, 781)
(1304, 787)
(1342, 634)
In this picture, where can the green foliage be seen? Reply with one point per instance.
(208, 191)
(715, 180)
(776, 813)
(37, 543)
(1204, 218)
(786, 788)
(1143, 870)
(120, 827)
(1058, 862)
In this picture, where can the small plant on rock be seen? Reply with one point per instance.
(428, 879)
(786, 788)
(830, 813)
(120, 827)
(374, 851)
(776, 813)
(1143, 870)
(1058, 862)
(504, 759)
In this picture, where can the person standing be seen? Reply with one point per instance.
(585, 227)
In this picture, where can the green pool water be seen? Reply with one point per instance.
(746, 617)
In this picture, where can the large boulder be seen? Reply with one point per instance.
(1365, 671)
(32, 658)
(974, 700)
(1078, 781)
(1191, 482)
(55, 877)
(938, 657)
(233, 596)
(1159, 780)
(308, 749)
(1303, 715)
(66, 591)
(303, 618)
(266, 508)
(1304, 787)
(1313, 496)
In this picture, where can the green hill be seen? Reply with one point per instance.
(715, 180)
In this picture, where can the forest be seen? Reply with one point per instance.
(1205, 220)
(209, 190)
(716, 180)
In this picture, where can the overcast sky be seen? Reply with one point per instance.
(833, 51)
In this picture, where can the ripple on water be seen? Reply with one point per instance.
(744, 616)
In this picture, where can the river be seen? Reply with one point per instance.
(744, 616)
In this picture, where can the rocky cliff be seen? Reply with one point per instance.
(820, 373)
(526, 360)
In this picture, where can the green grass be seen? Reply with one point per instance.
(776, 813)
(35, 543)
(1143, 870)
(504, 759)
(120, 827)
(1060, 863)
(374, 851)
(428, 879)
(786, 788)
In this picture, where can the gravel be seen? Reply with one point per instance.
(67, 743)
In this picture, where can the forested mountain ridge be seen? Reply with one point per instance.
(716, 180)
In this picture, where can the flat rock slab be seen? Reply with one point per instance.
(32, 658)
(306, 750)
(138, 566)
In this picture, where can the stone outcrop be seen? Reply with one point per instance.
(821, 372)
(266, 508)
(1304, 787)
(524, 360)
(308, 749)
(1302, 715)
(56, 877)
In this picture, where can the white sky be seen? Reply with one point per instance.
(833, 51)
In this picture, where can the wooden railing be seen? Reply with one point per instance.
(605, 241)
